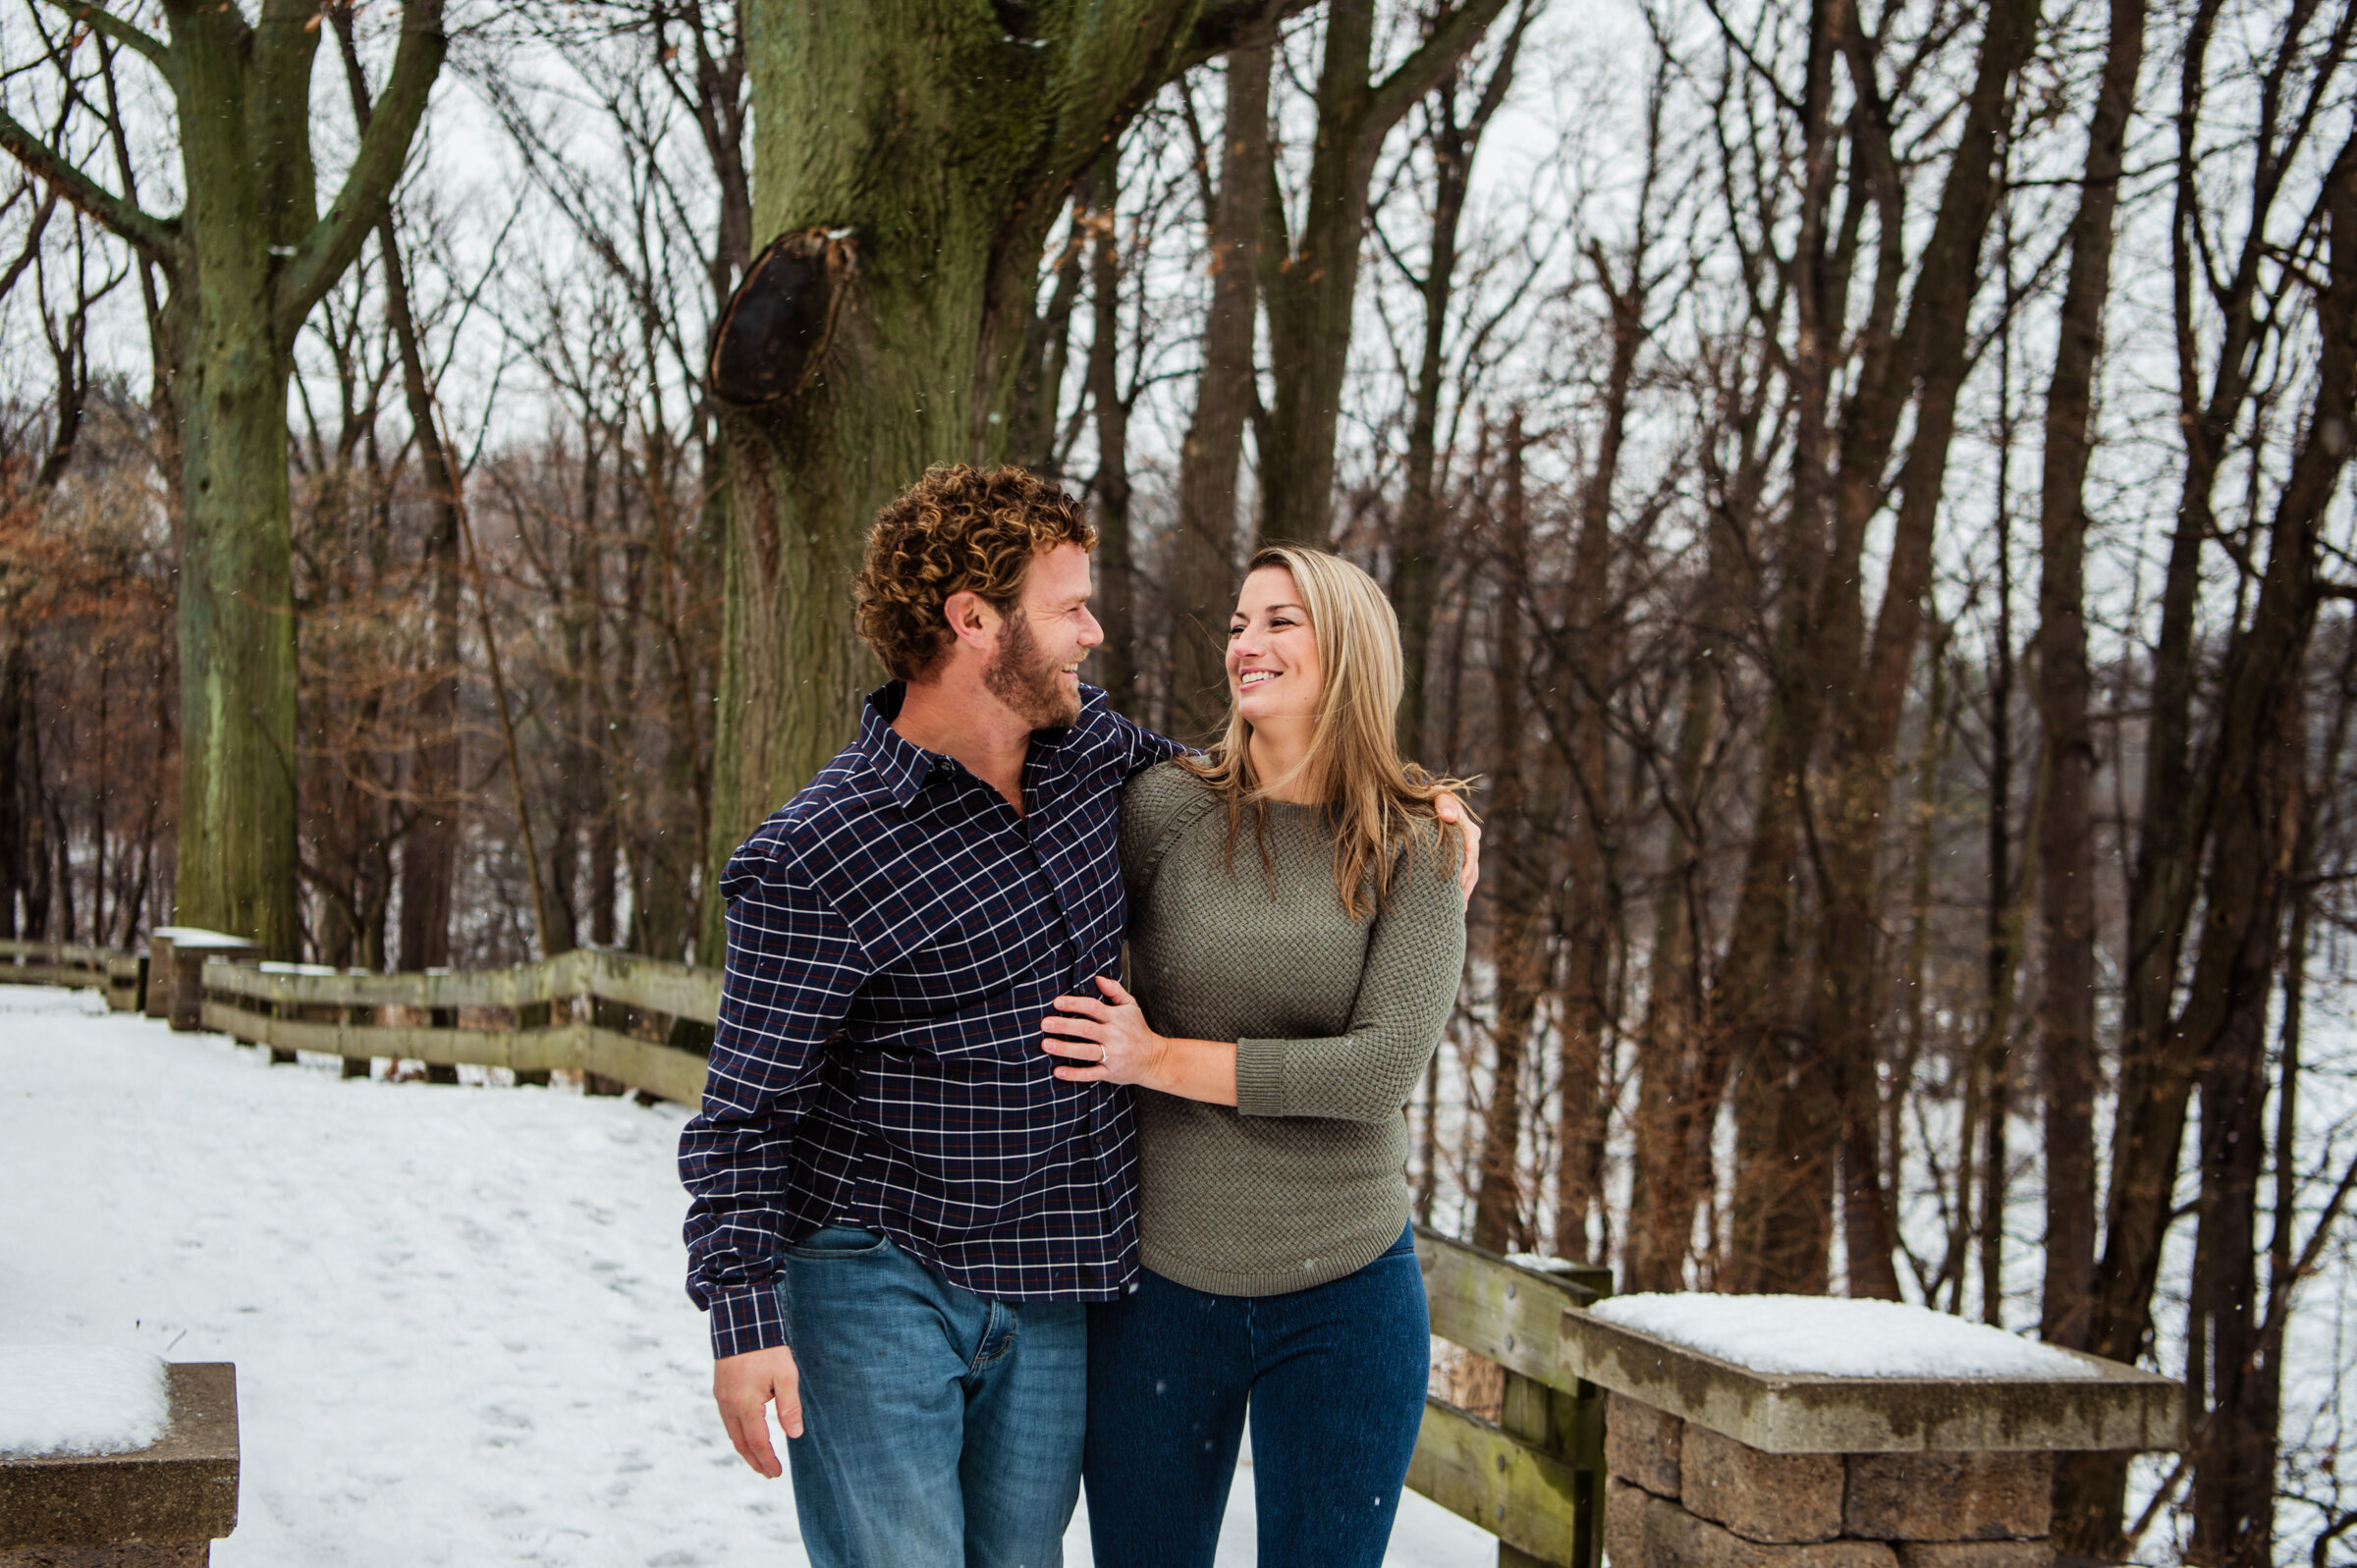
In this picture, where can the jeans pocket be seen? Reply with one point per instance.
(839, 1241)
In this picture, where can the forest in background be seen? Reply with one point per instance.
(1864, 487)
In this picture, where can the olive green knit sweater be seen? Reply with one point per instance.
(1334, 1018)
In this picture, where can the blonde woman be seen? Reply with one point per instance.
(1296, 935)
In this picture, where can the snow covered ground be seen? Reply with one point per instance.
(456, 1313)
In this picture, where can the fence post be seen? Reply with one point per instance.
(608, 1015)
(532, 1016)
(1570, 1427)
(442, 1071)
(350, 1017)
(156, 978)
(280, 1057)
(185, 979)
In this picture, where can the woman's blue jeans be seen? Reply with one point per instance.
(1333, 1377)
(940, 1429)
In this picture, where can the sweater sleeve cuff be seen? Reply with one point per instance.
(1260, 1078)
(752, 1318)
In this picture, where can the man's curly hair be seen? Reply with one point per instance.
(958, 529)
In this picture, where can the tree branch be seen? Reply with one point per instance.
(33, 237)
(158, 238)
(1450, 38)
(100, 19)
(1224, 26)
(1767, 79)
(335, 240)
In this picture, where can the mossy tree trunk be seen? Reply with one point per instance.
(246, 259)
(909, 157)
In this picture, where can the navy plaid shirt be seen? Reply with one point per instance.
(896, 933)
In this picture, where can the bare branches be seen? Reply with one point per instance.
(102, 21)
(1453, 32)
(39, 226)
(158, 238)
(334, 243)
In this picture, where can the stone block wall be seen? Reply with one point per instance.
(1683, 1496)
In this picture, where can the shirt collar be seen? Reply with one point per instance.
(901, 765)
(905, 766)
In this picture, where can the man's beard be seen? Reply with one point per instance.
(1026, 679)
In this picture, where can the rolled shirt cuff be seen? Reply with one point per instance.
(748, 1318)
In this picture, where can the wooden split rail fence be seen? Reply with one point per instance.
(1534, 1477)
(610, 1015)
(120, 975)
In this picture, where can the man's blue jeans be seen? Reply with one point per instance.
(1334, 1380)
(940, 1429)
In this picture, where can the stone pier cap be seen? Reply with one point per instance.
(183, 1489)
(2099, 1405)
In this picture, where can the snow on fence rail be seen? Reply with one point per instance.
(1534, 1477)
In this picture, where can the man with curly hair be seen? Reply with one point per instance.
(899, 1213)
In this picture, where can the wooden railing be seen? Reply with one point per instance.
(69, 963)
(1534, 1477)
(613, 1015)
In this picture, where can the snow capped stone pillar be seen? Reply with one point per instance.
(177, 956)
(1786, 1431)
(112, 1457)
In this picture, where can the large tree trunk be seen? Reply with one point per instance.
(881, 330)
(238, 866)
(247, 257)
(1313, 286)
(1203, 556)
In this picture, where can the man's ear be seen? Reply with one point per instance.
(973, 621)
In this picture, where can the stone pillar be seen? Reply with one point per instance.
(159, 1507)
(1711, 1464)
(176, 967)
(1680, 1496)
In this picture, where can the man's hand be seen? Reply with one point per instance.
(1450, 809)
(742, 1386)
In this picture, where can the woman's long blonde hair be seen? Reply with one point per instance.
(1374, 798)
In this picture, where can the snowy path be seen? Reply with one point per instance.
(456, 1313)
